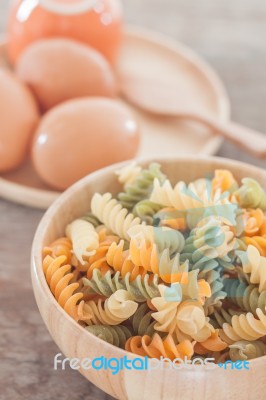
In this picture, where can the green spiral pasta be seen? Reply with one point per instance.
(251, 194)
(218, 318)
(89, 217)
(209, 269)
(211, 240)
(146, 210)
(213, 278)
(141, 186)
(116, 335)
(247, 297)
(141, 289)
(142, 321)
(244, 350)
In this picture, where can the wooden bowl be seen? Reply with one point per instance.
(194, 383)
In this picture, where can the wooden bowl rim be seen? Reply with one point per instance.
(36, 251)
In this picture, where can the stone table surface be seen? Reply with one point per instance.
(231, 36)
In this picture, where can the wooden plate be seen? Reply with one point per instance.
(150, 55)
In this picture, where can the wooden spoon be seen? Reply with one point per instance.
(165, 99)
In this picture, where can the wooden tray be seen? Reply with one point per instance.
(149, 55)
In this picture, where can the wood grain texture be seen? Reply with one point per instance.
(231, 36)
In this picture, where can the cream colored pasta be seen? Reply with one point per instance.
(116, 309)
(113, 215)
(255, 265)
(84, 238)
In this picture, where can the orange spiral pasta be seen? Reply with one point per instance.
(257, 241)
(58, 276)
(98, 260)
(60, 247)
(253, 219)
(254, 225)
(169, 217)
(213, 343)
(157, 347)
(118, 258)
(145, 254)
(224, 181)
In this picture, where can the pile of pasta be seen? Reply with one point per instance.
(166, 269)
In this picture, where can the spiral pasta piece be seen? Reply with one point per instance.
(119, 259)
(99, 260)
(116, 335)
(211, 239)
(255, 265)
(58, 276)
(60, 247)
(251, 194)
(89, 217)
(213, 343)
(163, 237)
(140, 187)
(140, 289)
(129, 173)
(171, 218)
(221, 316)
(84, 238)
(179, 313)
(157, 347)
(113, 215)
(116, 309)
(244, 350)
(144, 254)
(245, 326)
(247, 297)
(146, 210)
(252, 220)
(213, 278)
(143, 322)
(224, 181)
(184, 197)
(256, 241)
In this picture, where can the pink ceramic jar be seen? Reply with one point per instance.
(97, 23)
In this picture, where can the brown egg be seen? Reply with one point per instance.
(18, 120)
(81, 136)
(60, 69)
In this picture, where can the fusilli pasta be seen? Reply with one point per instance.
(58, 275)
(113, 215)
(85, 239)
(213, 343)
(181, 315)
(116, 335)
(146, 210)
(251, 194)
(140, 187)
(255, 265)
(247, 297)
(140, 289)
(244, 350)
(157, 347)
(116, 309)
(163, 237)
(143, 322)
(60, 247)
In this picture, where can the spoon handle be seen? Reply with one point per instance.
(159, 98)
(249, 140)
